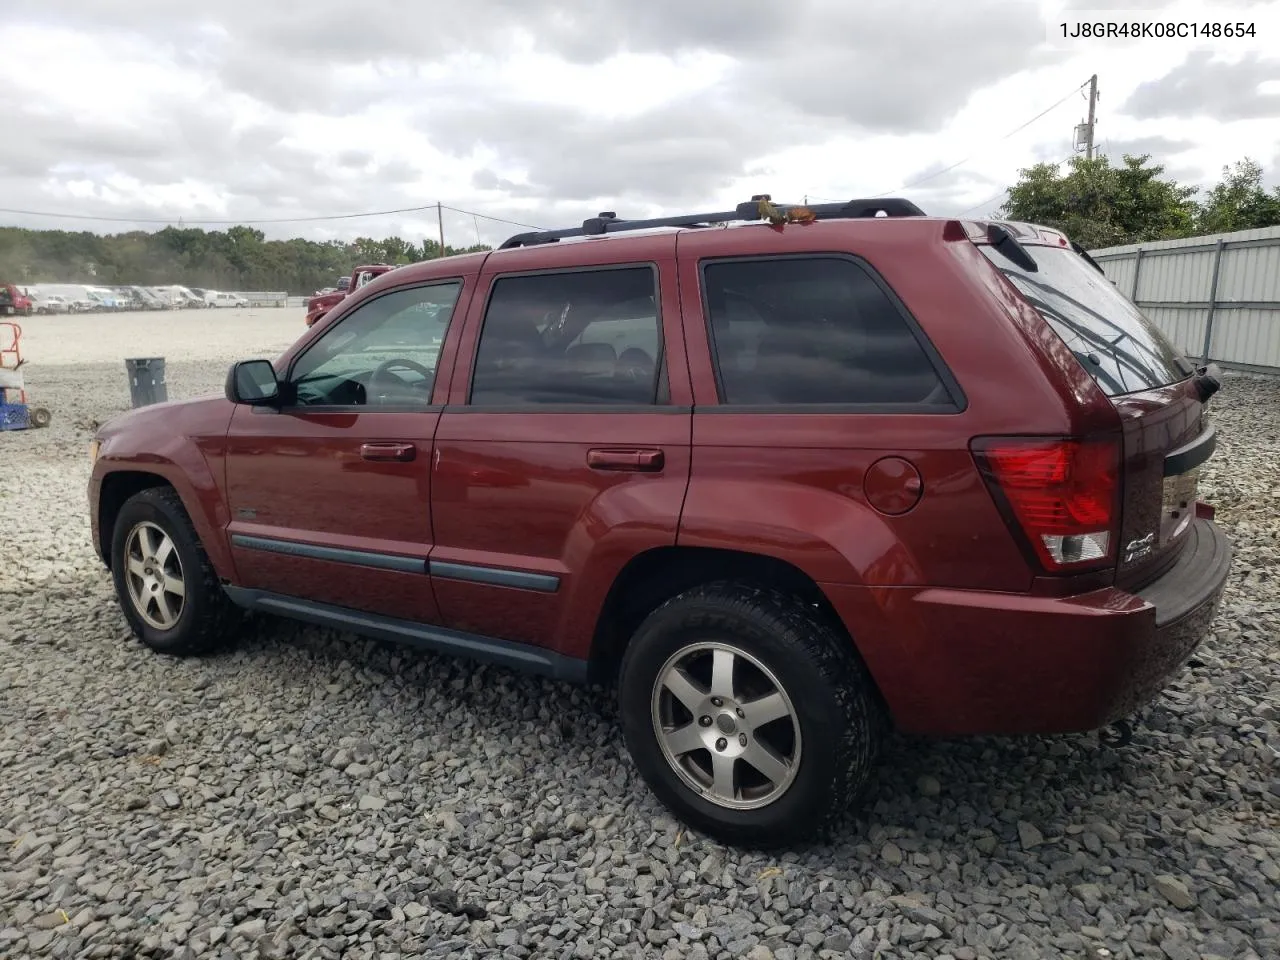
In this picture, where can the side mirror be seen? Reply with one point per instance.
(253, 382)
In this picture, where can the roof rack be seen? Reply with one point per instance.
(608, 222)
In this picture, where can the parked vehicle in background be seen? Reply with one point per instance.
(783, 484)
(80, 300)
(14, 302)
(49, 303)
(105, 297)
(217, 298)
(179, 297)
(318, 306)
(189, 299)
(127, 298)
(149, 299)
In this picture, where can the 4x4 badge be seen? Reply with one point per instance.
(1137, 549)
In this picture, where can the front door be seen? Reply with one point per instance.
(564, 449)
(329, 495)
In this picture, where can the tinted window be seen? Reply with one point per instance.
(582, 337)
(813, 330)
(1112, 339)
(383, 353)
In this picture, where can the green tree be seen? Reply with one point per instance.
(1239, 201)
(239, 258)
(1099, 205)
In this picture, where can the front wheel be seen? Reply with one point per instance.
(164, 581)
(749, 715)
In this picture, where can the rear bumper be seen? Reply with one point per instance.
(958, 662)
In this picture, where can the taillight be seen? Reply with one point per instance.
(1063, 494)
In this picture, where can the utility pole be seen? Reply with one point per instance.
(1093, 100)
(440, 224)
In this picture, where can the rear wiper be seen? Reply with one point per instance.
(1008, 246)
(1087, 259)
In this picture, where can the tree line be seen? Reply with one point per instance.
(1092, 201)
(239, 258)
(1099, 205)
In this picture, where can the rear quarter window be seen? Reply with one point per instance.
(1112, 339)
(815, 330)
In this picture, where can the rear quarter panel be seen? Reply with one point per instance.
(790, 483)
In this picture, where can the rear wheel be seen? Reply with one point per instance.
(748, 714)
(164, 581)
(40, 417)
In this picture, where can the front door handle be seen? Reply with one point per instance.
(402, 452)
(634, 459)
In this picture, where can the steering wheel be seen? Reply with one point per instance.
(383, 373)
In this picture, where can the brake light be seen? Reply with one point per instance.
(1063, 494)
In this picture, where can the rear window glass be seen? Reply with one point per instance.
(1122, 350)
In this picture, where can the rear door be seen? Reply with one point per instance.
(1167, 435)
(564, 449)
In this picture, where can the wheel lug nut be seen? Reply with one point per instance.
(722, 743)
(717, 702)
(741, 715)
(742, 739)
(705, 721)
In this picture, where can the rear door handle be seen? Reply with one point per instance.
(401, 452)
(639, 460)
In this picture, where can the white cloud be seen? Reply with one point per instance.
(674, 106)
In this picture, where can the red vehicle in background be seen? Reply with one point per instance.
(321, 304)
(14, 302)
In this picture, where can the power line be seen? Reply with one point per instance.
(959, 163)
(998, 195)
(983, 203)
(1015, 130)
(269, 220)
(485, 216)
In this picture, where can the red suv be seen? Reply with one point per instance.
(787, 483)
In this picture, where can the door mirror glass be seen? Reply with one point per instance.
(252, 382)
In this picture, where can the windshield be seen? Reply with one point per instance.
(1112, 339)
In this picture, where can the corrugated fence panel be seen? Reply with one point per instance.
(1120, 272)
(1250, 273)
(1249, 336)
(1175, 285)
(1183, 325)
(1176, 277)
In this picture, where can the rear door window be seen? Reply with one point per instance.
(1113, 340)
(580, 337)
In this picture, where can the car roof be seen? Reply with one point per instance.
(643, 239)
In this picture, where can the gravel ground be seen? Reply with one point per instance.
(309, 794)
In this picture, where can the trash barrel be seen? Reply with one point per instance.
(146, 381)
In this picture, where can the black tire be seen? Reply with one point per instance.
(207, 620)
(40, 417)
(840, 715)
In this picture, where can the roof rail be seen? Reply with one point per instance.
(608, 222)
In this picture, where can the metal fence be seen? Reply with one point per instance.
(1216, 297)
(258, 298)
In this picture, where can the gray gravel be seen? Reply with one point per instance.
(313, 795)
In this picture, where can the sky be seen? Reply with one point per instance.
(544, 112)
